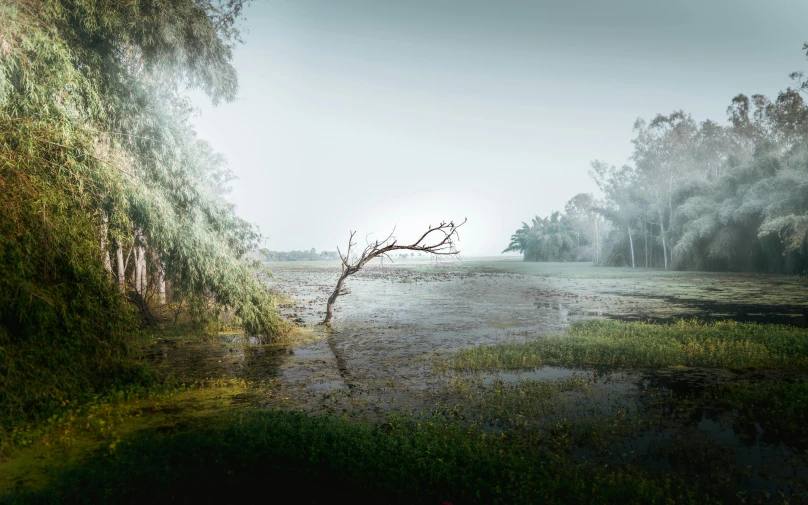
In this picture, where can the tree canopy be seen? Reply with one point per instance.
(706, 195)
(106, 192)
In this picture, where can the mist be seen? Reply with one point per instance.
(455, 252)
(364, 116)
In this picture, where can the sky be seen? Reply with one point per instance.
(367, 115)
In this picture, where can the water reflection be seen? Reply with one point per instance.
(543, 373)
(224, 356)
(686, 409)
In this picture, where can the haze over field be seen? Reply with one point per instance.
(363, 115)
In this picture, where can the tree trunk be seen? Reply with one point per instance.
(121, 267)
(104, 233)
(144, 271)
(329, 308)
(161, 283)
(664, 242)
(597, 242)
(670, 223)
(631, 245)
(137, 273)
(645, 233)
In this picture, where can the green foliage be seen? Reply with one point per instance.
(545, 239)
(63, 325)
(327, 459)
(101, 81)
(705, 196)
(618, 344)
(98, 156)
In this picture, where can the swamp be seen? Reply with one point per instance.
(488, 381)
(169, 333)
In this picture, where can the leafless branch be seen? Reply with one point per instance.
(436, 240)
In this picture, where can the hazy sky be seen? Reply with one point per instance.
(362, 115)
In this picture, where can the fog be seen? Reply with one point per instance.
(364, 115)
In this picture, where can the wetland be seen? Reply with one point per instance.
(462, 382)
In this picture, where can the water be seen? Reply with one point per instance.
(543, 373)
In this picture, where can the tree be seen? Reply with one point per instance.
(92, 103)
(546, 239)
(584, 219)
(663, 155)
(353, 261)
(624, 205)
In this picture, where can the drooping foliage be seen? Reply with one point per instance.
(707, 196)
(103, 182)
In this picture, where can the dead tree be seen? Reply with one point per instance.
(437, 240)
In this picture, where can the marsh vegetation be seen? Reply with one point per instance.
(416, 397)
(148, 356)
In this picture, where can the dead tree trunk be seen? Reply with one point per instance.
(444, 245)
(329, 308)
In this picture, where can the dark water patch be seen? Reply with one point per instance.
(712, 311)
(551, 373)
(709, 443)
(224, 356)
(684, 381)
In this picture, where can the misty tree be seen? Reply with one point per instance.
(92, 108)
(582, 214)
(437, 240)
(624, 205)
(706, 195)
(552, 238)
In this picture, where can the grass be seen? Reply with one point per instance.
(658, 428)
(328, 459)
(730, 345)
(31, 451)
(563, 441)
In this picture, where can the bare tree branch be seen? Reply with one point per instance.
(437, 240)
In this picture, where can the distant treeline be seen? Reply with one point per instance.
(313, 255)
(696, 196)
(310, 255)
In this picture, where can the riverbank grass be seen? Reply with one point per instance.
(592, 343)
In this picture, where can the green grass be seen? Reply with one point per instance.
(729, 345)
(524, 442)
(329, 460)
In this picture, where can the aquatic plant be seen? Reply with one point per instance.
(600, 342)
